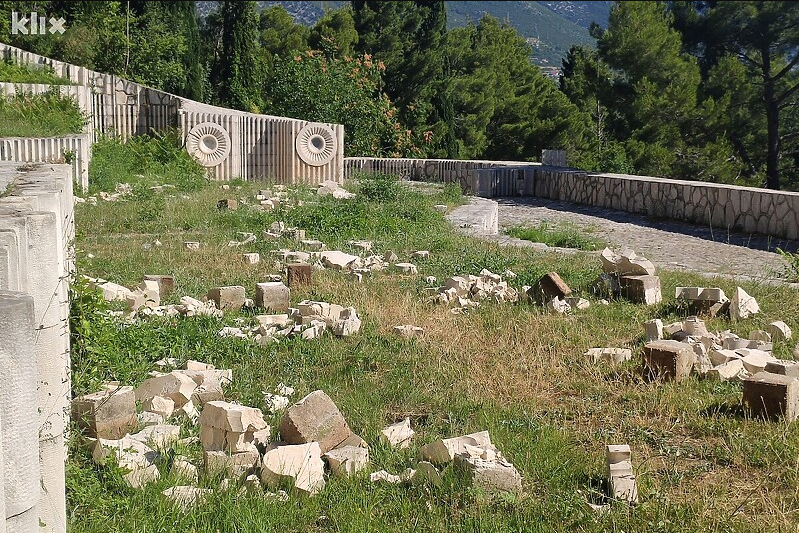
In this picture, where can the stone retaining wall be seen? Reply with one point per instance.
(36, 233)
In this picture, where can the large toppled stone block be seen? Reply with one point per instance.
(669, 360)
(444, 450)
(742, 305)
(627, 263)
(158, 436)
(727, 371)
(398, 435)
(175, 385)
(232, 417)
(300, 463)
(132, 455)
(109, 414)
(772, 395)
(621, 480)
(346, 461)
(552, 286)
(298, 274)
(490, 473)
(314, 418)
(232, 297)
(641, 289)
(272, 295)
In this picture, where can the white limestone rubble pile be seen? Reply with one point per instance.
(468, 290)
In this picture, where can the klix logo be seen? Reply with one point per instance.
(35, 25)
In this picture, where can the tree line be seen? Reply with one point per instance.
(690, 90)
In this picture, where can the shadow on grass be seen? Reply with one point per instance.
(733, 411)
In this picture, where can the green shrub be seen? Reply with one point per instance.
(379, 187)
(15, 73)
(153, 159)
(40, 115)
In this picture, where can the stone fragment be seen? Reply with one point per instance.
(754, 360)
(298, 274)
(760, 335)
(235, 465)
(186, 496)
(641, 289)
(558, 306)
(385, 477)
(779, 331)
(406, 268)
(273, 296)
(174, 385)
(785, 368)
(185, 470)
(146, 418)
(444, 450)
(772, 395)
(390, 257)
(347, 324)
(667, 359)
(160, 405)
(609, 355)
(232, 417)
(552, 286)
(729, 370)
(366, 246)
(159, 436)
(251, 258)
(496, 475)
(398, 435)
(425, 473)
(347, 461)
(742, 305)
(231, 297)
(275, 402)
(114, 292)
(301, 463)
(420, 254)
(653, 329)
(313, 244)
(430, 280)
(339, 260)
(578, 303)
(227, 204)
(166, 284)
(110, 414)
(408, 331)
(621, 480)
(314, 418)
(441, 208)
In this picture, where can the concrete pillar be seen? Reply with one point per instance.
(18, 412)
(2, 481)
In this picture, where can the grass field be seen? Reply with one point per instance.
(512, 369)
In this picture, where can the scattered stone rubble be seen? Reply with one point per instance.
(468, 291)
(330, 187)
(630, 276)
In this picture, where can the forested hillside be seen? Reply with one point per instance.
(693, 90)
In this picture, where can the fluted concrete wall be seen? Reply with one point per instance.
(36, 234)
(257, 146)
(51, 150)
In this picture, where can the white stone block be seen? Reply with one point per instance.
(398, 435)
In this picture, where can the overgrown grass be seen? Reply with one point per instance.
(560, 235)
(41, 115)
(142, 161)
(13, 72)
(514, 370)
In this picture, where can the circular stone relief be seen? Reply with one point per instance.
(209, 143)
(316, 144)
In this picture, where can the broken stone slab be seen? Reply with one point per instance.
(754, 360)
(496, 475)
(160, 436)
(385, 477)
(578, 303)
(667, 359)
(298, 274)
(407, 331)
(653, 329)
(347, 324)
(366, 246)
(420, 254)
(114, 292)
(273, 296)
(175, 385)
(182, 468)
(444, 450)
(313, 244)
(185, 496)
(251, 258)
(215, 439)
(314, 418)
(558, 306)
(772, 395)
(146, 418)
(109, 414)
(785, 368)
(552, 286)
(231, 297)
(235, 465)
(232, 417)
(609, 355)
(727, 371)
(742, 305)
(166, 283)
(160, 405)
(398, 435)
(347, 461)
(406, 268)
(300, 463)
(621, 480)
(643, 289)
(779, 331)
(338, 260)
(626, 263)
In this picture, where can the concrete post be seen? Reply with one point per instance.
(18, 412)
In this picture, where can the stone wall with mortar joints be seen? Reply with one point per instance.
(36, 234)
(281, 149)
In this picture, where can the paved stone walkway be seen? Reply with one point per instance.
(670, 245)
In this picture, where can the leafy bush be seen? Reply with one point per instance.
(40, 115)
(16, 73)
(152, 159)
(379, 187)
